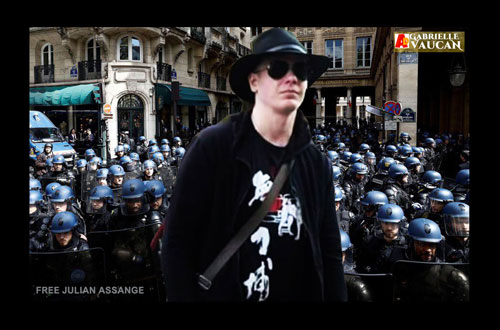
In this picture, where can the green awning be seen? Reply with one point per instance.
(188, 96)
(65, 95)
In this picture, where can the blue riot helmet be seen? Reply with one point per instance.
(438, 141)
(81, 164)
(336, 174)
(417, 151)
(134, 201)
(149, 168)
(102, 176)
(405, 151)
(359, 168)
(126, 148)
(347, 251)
(100, 198)
(438, 198)
(158, 158)
(456, 219)
(345, 241)
(165, 148)
(390, 150)
(120, 150)
(431, 179)
(135, 157)
(35, 184)
(462, 178)
(397, 172)
(152, 150)
(89, 154)
(338, 194)
(156, 194)
(373, 200)
(333, 156)
(164, 142)
(412, 163)
(58, 163)
(345, 156)
(94, 163)
(35, 201)
(384, 164)
(430, 142)
(390, 213)
(177, 140)
(49, 163)
(340, 146)
(370, 158)
(51, 188)
(364, 148)
(405, 137)
(61, 199)
(179, 152)
(117, 174)
(426, 233)
(63, 222)
(126, 163)
(152, 142)
(355, 158)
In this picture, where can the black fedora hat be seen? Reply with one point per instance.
(273, 42)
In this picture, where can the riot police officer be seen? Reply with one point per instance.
(396, 189)
(425, 241)
(404, 151)
(130, 170)
(60, 173)
(414, 168)
(64, 236)
(404, 138)
(344, 216)
(158, 203)
(390, 151)
(386, 245)
(179, 154)
(133, 208)
(63, 200)
(99, 207)
(378, 181)
(149, 171)
(354, 186)
(152, 150)
(456, 230)
(81, 166)
(116, 176)
(462, 185)
(39, 220)
(437, 200)
(94, 163)
(333, 156)
(41, 160)
(370, 161)
(363, 149)
(166, 152)
(136, 160)
(102, 177)
(119, 152)
(430, 180)
(142, 148)
(365, 223)
(89, 154)
(430, 154)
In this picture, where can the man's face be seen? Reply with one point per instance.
(370, 211)
(119, 154)
(337, 206)
(64, 238)
(404, 179)
(155, 205)
(93, 166)
(48, 150)
(60, 206)
(149, 171)
(118, 180)
(437, 206)
(360, 177)
(390, 229)
(283, 95)
(165, 154)
(97, 204)
(102, 182)
(133, 205)
(370, 161)
(425, 251)
(461, 225)
(33, 208)
(58, 167)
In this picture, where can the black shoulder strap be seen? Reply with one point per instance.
(205, 279)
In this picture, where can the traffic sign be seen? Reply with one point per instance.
(107, 109)
(393, 107)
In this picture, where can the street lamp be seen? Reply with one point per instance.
(457, 72)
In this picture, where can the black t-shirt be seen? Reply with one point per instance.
(275, 262)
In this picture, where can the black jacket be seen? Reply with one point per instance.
(211, 186)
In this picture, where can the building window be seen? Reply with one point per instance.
(129, 49)
(335, 51)
(47, 54)
(93, 50)
(309, 46)
(256, 31)
(363, 46)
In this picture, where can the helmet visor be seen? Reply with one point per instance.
(134, 206)
(96, 205)
(456, 226)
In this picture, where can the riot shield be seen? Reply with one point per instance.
(430, 282)
(368, 287)
(168, 178)
(89, 181)
(67, 275)
(45, 180)
(131, 175)
(131, 263)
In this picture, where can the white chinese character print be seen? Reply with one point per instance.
(261, 236)
(258, 282)
(262, 184)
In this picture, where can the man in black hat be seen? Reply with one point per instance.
(295, 253)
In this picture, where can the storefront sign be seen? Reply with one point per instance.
(391, 125)
(408, 58)
(408, 115)
(106, 111)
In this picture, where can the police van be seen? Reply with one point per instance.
(43, 131)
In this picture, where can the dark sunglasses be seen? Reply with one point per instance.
(278, 69)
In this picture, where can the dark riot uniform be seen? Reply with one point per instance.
(378, 255)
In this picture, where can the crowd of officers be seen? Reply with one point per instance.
(392, 200)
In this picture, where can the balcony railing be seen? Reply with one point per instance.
(203, 80)
(221, 83)
(164, 71)
(88, 70)
(44, 74)
(198, 33)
